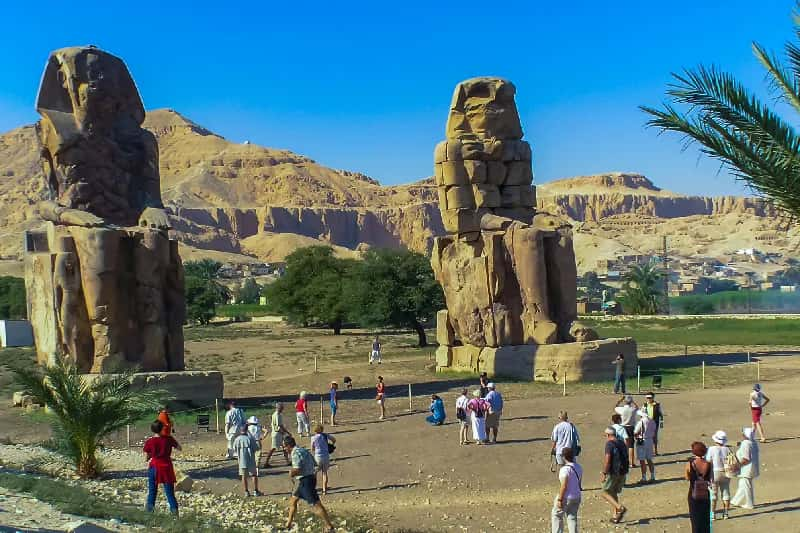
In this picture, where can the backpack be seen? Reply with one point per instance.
(331, 446)
(479, 409)
(619, 459)
(461, 414)
(575, 441)
(700, 486)
(732, 465)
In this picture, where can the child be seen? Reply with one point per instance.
(158, 452)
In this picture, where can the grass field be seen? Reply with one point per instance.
(739, 301)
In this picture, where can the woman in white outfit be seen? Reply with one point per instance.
(748, 455)
(477, 408)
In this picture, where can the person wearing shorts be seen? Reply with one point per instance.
(717, 456)
(758, 400)
(279, 431)
(463, 417)
(321, 449)
(304, 475)
(615, 469)
(495, 400)
(380, 397)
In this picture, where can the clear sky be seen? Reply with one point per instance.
(366, 86)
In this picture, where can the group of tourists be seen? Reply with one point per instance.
(481, 413)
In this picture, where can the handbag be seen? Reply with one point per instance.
(700, 486)
(732, 465)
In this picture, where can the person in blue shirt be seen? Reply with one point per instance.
(334, 403)
(437, 408)
(495, 400)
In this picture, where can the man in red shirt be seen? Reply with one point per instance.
(158, 452)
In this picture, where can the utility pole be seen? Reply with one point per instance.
(665, 265)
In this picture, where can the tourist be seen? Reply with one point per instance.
(255, 431)
(348, 382)
(568, 499)
(627, 408)
(437, 409)
(643, 437)
(158, 453)
(279, 432)
(748, 456)
(619, 374)
(615, 468)
(483, 379)
(476, 408)
(301, 412)
(463, 417)
(495, 401)
(334, 401)
(375, 354)
(245, 448)
(700, 475)
(303, 471)
(616, 423)
(654, 411)
(565, 435)
(380, 397)
(718, 457)
(164, 418)
(321, 448)
(758, 400)
(234, 419)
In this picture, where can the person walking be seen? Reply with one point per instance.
(304, 474)
(700, 475)
(483, 380)
(437, 416)
(301, 412)
(656, 414)
(380, 397)
(234, 419)
(568, 499)
(758, 400)
(164, 418)
(626, 408)
(643, 438)
(375, 353)
(463, 417)
(245, 448)
(615, 468)
(748, 455)
(158, 453)
(495, 401)
(279, 432)
(564, 435)
(256, 432)
(619, 374)
(717, 455)
(476, 408)
(321, 448)
(334, 401)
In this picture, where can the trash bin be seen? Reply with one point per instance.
(657, 381)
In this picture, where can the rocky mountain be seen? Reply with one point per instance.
(239, 200)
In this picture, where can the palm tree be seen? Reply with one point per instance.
(87, 411)
(735, 127)
(643, 290)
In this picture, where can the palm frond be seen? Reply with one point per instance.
(779, 78)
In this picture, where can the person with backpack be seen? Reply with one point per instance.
(304, 475)
(643, 434)
(615, 469)
(476, 408)
(463, 417)
(565, 435)
(700, 475)
(568, 500)
(322, 445)
(722, 461)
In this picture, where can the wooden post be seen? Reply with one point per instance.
(128, 434)
(638, 379)
(685, 349)
(565, 384)
(410, 404)
(254, 374)
(748, 357)
(316, 365)
(704, 374)
(216, 412)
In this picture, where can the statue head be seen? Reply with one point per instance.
(484, 108)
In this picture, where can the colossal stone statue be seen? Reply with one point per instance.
(508, 272)
(104, 281)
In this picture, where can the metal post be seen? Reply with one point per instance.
(128, 434)
(565, 384)
(216, 412)
(638, 379)
(685, 349)
(704, 374)
(410, 405)
(748, 357)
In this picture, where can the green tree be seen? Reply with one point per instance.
(311, 290)
(202, 298)
(204, 269)
(643, 290)
(732, 125)
(394, 288)
(85, 413)
(698, 305)
(13, 304)
(249, 292)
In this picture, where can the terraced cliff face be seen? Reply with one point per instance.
(235, 198)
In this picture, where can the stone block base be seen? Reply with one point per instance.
(189, 387)
(581, 361)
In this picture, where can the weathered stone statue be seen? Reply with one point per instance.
(508, 273)
(105, 282)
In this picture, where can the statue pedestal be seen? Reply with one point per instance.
(581, 361)
(197, 388)
(105, 298)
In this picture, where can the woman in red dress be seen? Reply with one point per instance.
(380, 397)
(158, 450)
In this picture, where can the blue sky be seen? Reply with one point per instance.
(366, 86)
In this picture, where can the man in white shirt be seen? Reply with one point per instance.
(257, 433)
(568, 499)
(717, 456)
(626, 408)
(234, 419)
(565, 435)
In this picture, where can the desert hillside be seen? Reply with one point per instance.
(232, 200)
